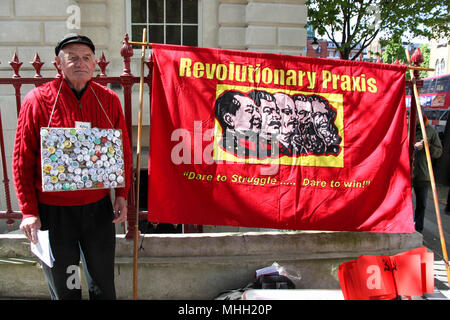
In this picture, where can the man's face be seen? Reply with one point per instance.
(304, 110)
(288, 113)
(321, 118)
(271, 119)
(77, 63)
(247, 119)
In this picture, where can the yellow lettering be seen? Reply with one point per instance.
(241, 76)
(346, 84)
(314, 183)
(363, 82)
(267, 75)
(185, 67)
(221, 72)
(291, 79)
(301, 75)
(326, 77)
(372, 85)
(285, 77)
(198, 70)
(251, 69)
(356, 83)
(210, 70)
(258, 73)
(279, 76)
(311, 80)
(231, 73)
(335, 80)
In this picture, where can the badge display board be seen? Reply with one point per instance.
(81, 159)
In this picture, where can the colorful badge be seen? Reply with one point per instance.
(81, 159)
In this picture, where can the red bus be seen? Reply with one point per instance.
(434, 98)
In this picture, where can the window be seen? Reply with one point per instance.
(167, 21)
(439, 67)
(443, 84)
(429, 86)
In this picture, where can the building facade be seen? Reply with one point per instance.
(328, 50)
(439, 57)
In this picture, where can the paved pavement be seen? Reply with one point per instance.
(432, 240)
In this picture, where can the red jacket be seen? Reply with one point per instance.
(35, 113)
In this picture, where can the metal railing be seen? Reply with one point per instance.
(126, 80)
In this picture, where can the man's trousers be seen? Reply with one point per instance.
(83, 232)
(421, 204)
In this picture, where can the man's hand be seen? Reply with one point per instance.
(29, 227)
(120, 210)
(419, 145)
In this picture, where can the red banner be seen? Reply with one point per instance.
(276, 141)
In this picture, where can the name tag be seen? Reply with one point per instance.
(82, 125)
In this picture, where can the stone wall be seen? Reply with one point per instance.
(264, 26)
(200, 266)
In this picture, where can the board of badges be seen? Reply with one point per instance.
(81, 159)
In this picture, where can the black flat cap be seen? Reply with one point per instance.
(74, 38)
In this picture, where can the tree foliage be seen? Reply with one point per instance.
(354, 24)
(393, 50)
(425, 49)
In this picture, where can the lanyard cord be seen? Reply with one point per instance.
(54, 105)
(112, 126)
(57, 96)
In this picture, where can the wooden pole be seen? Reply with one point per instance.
(138, 168)
(430, 168)
(143, 43)
(410, 67)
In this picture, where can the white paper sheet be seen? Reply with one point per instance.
(42, 248)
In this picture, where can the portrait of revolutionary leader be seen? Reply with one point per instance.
(323, 118)
(289, 122)
(240, 120)
(270, 123)
(316, 133)
(260, 124)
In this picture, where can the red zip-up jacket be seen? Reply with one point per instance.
(35, 113)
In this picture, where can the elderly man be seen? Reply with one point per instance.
(80, 222)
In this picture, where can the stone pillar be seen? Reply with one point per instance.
(264, 26)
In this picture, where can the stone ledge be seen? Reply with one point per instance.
(200, 266)
(260, 243)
